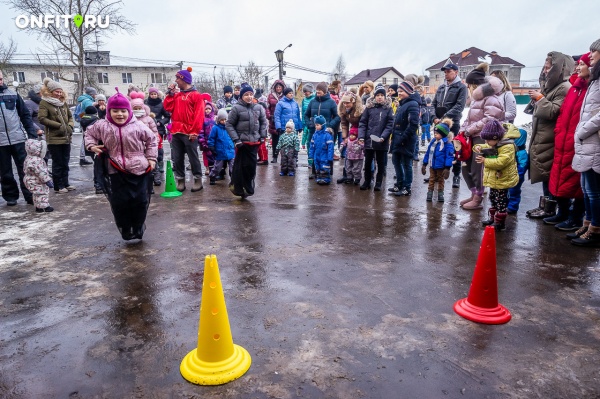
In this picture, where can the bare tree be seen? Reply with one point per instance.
(204, 84)
(251, 73)
(225, 78)
(7, 51)
(340, 70)
(69, 43)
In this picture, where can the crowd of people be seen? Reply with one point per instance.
(125, 134)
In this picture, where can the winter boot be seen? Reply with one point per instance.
(440, 196)
(540, 206)
(181, 185)
(275, 155)
(377, 186)
(466, 200)
(356, 182)
(499, 221)
(197, 185)
(548, 211)
(591, 238)
(342, 179)
(490, 221)
(581, 231)
(474, 204)
(430, 196)
(365, 186)
(156, 179)
(456, 181)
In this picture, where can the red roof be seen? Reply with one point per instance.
(471, 56)
(371, 74)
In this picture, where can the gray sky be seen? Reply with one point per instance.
(409, 35)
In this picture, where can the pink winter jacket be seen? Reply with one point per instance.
(130, 146)
(485, 105)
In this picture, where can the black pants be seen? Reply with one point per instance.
(10, 190)
(181, 145)
(244, 170)
(274, 142)
(61, 153)
(380, 156)
(456, 168)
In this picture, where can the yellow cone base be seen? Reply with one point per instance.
(200, 372)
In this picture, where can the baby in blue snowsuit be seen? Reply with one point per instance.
(321, 151)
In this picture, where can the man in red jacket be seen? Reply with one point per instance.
(186, 106)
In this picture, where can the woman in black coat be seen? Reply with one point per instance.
(374, 129)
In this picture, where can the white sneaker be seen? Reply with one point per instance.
(71, 188)
(62, 191)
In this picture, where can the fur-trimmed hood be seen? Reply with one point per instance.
(492, 86)
(275, 83)
(371, 102)
(356, 111)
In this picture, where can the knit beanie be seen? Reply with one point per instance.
(118, 101)
(52, 85)
(153, 90)
(492, 130)
(290, 124)
(227, 89)
(353, 131)
(348, 97)
(379, 90)
(320, 119)
(595, 46)
(90, 110)
(37, 88)
(91, 91)
(443, 127)
(222, 114)
(185, 75)
(308, 88)
(287, 90)
(322, 86)
(245, 88)
(407, 87)
(137, 102)
(477, 75)
(395, 88)
(585, 59)
(137, 94)
(100, 97)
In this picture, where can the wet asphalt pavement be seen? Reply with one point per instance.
(335, 292)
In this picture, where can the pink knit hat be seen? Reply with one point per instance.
(137, 102)
(153, 90)
(118, 101)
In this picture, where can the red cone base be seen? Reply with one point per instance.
(497, 315)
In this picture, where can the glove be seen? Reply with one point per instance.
(446, 174)
(310, 161)
(424, 169)
(238, 144)
(212, 149)
(50, 184)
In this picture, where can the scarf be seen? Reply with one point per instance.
(54, 101)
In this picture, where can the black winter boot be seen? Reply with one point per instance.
(499, 220)
(429, 196)
(490, 221)
(440, 196)
(591, 238)
(456, 181)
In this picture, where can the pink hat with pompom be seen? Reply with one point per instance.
(118, 101)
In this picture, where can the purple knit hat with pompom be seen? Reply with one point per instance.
(118, 101)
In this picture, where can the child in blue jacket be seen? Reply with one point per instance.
(320, 153)
(441, 154)
(221, 145)
(514, 194)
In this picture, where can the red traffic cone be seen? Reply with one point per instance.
(482, 305)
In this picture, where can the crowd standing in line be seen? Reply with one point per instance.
(360, 126)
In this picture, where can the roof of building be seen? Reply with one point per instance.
(474, 56)
(371, 74)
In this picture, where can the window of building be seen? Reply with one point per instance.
(51, 75)
(384, 80)
(158, 78)
(19, 77)
(76, 77)
(127, 78)
(103, 77)
(395, 81)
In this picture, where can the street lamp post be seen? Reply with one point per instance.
(336, 76)
(279, 56)
(215, 80)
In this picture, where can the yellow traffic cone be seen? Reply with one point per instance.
(170, 185)
(217, 360)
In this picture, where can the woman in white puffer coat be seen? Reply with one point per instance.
(485, 106)
(587, 156)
